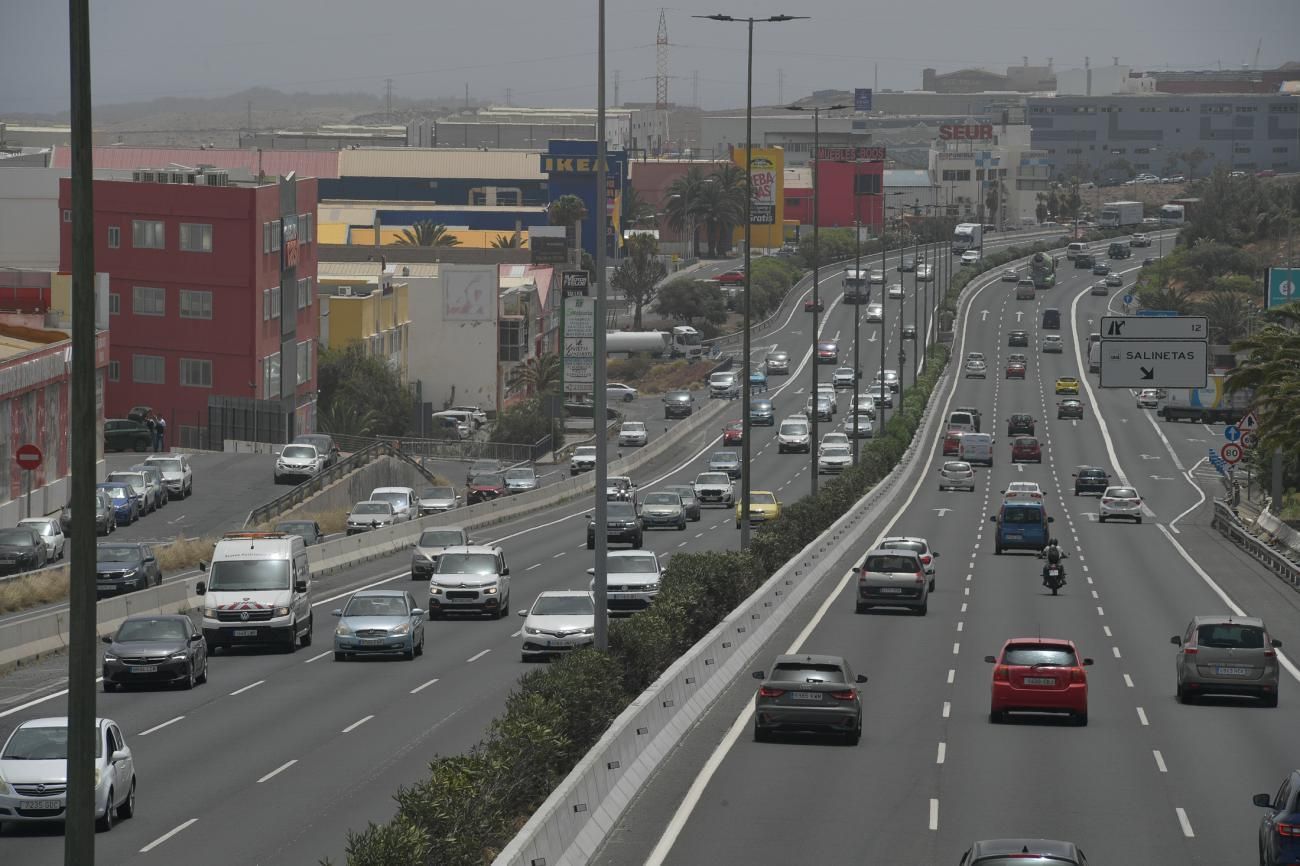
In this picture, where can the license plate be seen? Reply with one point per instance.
(245, 632)
(891, 590)
(44, 805)
(371, 641)
(1014, 537)
(806, 696)
(1040, 681)
(557, 643)
(1232, 672)
(621, 595)
(144, 669)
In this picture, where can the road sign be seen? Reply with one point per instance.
(1154, 364)
(1128, 299)
(1249, 423)
(1231, 452)
(1283, 286)
(1150, 313)
(862, 99)
(1249, 440)
(575, 283)
(1153, 328)
(28, 457)
(1231, 433)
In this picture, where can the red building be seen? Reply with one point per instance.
(212, 294)
(844, 172)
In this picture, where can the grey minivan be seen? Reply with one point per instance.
(1227, 655)
(892, 577)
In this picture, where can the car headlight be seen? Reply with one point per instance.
(489, 590)
(209, 613)
(281, 611)
(109, 657)
(343, 631)
(589, 630)
(404, 628)
(652, 587)
(528, 629)
(177, 657)
(434, 589)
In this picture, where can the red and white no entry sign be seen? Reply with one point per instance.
(28, 457)
(1231, 453)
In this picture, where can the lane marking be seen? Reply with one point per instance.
(952, 675)
(164, 837)
(1160, 761)
(1128, 681)
(942, 753)
(947, 709)
(1142, 717)
(246, 688)
(534, 565)
(956, 648)
(477, 656)
(1184, 823)
(316, 657)
(352, 727)
(160, 727)
(422, 686)
(1115, 651)
(934, 813)
(277, 771)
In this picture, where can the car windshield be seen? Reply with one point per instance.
(519, 475)
(152, 629)
(1230, 636)
(886, 564)
(296, 527)
(438, 493)
(835, 451)
(117, 492)
(1021, 515)
(662, 499)
(1092, 474)
(724, 457)
(304, 452)
(633, 427)
(44, 527)
(807, 672)
(673, 396)
(585, 451)
(617, 483)
(563, 605)
(794, 429)
(1021, 860)
(170, 464)
(1038, 654)
(441, 538)
(395, 498)
(467, 563)
(373, 508)
(636, 564)
(492, 480)
(376, 605)
(118, 553)
(42, 744)
(249, 575)
(778, 356)
(713, 478)
(1026, 442)
(1122, 493)
(622, 510)
(760, 497)
(826, 346)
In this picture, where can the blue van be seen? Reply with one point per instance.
(1021, 526)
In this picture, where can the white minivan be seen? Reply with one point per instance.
(257, 591)
(406, 503)
(1075, 249)
(976, 448)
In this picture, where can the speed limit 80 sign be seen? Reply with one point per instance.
(1231, 452)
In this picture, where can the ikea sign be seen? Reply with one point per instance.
(552, 164)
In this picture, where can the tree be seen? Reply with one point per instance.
(523, 424)
(1166, 298)
(1041, 210)
(639, 273)
(426, 234)
(685, 300)
(538, 375)
(634, 208)
(722, 204)
(346, 419)
(993, 201)
(1192, 158)
(353, 384)
(567, 211)
(1272, 373)
(1230, 314)
(509, 242)
(685, 191)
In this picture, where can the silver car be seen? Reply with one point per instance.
(976, 369)
(1227, 655)
(663, 509)
(1119, 502)
(777, 362)
(957, 475)
(893, 578)
(833, 459)
(808, 694)
(875, 312)
(725, 461)
(632, 580)
(157, 486)
(379, 622)
(34, 767)
(430, 545)
(520, 479)
(434, 500)
(687, 494)
(844, 377)
(370, 514)
(176, 472)
(559, 621)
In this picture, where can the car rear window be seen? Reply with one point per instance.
(885, 564)
(441, 538)
(1038, 654)
(1026, 441)
(806, 672)
(1020, 860)
(1123, 493)
(1021, 514)
(1230, 636)
(956, 467)
(904, 545)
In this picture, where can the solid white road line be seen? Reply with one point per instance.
(1160, 761)
(422, 686)
(352, 727)
(246, 688)
(1184, 823)
(477, 656)
(159, 727)
(164, 837)
(317, 657)
(277, 771)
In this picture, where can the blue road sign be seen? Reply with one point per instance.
(1165, 313)
(1128, 299)
(1232, 433)
(862, 99)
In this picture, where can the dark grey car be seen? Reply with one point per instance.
(125, 567)
(678, 404)
(1227, 655)
(689, 500)
(663, 509)
(1023, 852)
(155, 649)
(308, 529)
(808, 694)
(105, 515)
(725, 461)
(21, 549)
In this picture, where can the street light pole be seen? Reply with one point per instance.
(857, 319)
(745, 425)
(600, 514)
(884, 313)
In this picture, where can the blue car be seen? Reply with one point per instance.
(1279, 830)
(379, 622)
(758, 381)
(126, 506)
(1020, 526)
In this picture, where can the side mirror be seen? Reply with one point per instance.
(200, 588)
(993, 517)
(934, 553)
(991, 659)
(860, 678)
(1277, 644)
(338, 611)
(1262, 800)
(759, 675)
(591, 571)
(108, 638)
(417, 612)
(505, 571)
(119, 755)
(1176, 640)
(300, 586)
(522, 612)
(203, 566)
(1087, 662)
(1051, 520)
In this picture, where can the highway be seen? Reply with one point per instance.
(274, 758)
(1148, 780)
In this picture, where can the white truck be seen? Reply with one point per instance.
(682, 341)
(1117, 214)
(1172, 215)
(257, 591)
(1210, 405)
(967, 236)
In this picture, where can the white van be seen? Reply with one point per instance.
(976, 448)
(406, 503)
(1075, 249)
(963, 421)
(258, 591)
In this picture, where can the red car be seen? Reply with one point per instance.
(809, 306)
(732, 278)
(1039, 675)
(1015, 370)
(484, 488)
(1026, 449)
(951, 443)
(733, 433)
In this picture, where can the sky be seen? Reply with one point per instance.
(544, 53)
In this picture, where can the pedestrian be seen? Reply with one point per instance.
(152, 424)
(160, 432)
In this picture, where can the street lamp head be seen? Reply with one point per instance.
(717, 17)
(778, 18)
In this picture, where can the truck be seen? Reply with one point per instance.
(1172, 215)
(1209, 405)
(682, 341)
(1117, 214)
(857, 286)
(967, 236)
(1042, 270)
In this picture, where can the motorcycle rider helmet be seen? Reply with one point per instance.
(1052, 543)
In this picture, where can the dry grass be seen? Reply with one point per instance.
(27, 592)
(658, 377)
(183, 554)
(330, 521)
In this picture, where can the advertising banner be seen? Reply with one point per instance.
(579, 348)
(862, 99)
(1282, 285)
(762, 179)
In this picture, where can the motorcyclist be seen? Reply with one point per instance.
(1054, 556)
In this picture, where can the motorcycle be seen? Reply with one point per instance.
(1054, 574)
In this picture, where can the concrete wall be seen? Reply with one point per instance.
(356, 487)
(453, 353)
(29, 217)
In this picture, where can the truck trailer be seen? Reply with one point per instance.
(967, 236)
(682, 341)
(1209, 405)
(1117, 214)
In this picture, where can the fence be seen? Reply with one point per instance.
(245, 419)
(1271, 551)
(450, 449)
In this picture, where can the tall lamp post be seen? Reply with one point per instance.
(745, 482)
(812, 415)
(600, 585)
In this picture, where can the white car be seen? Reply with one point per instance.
(632, 433)
(51, 534)
(970, 257)
(583, 459)
(827, 390)
(877, 278)
(1052, 344)
(714, 488)
(793, 435)
(1148, 398)
(632, 582)
(875, 312)
(1119, 502)
(724, 384)
(479, 417)
(925, 273)
(896, 291)
(298, 461)
(917, 545)
(34, 767)
(560, 621)
(957, 475)
(406, 502)
(976, 369)
(864, 403)
(619, 391)
(176, 473)
(835, 439)
(370, 514)
(833, 458)
(1025, 490)
(843, 377)
(860, 425)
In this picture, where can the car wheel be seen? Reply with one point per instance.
(409, 655)
(1137, 519)
(681, 527)
(110, 687)
(188, 682)
(761, 734)
(203, 677)
(997, 551)
(1183, 695)
(419, 649)
(852, 738)
(306, 635)
(591, 545)
(996, 717)
(340, 657)
(104, 822)
(1081, 719)
(140, 447)
(1270, 700)
(924, 608)
(1101, 518)
(127, 809)
(932, 584)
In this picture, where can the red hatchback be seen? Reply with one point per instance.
(951, 443)
(733, 433)
(1025, 449)
(1039, 675)
(809, 306)
(1015, 370)
(732, 278)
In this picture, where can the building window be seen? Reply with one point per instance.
(148, 235)
(304, 293)
(271, 377)
(305, 234)
(196, 237)
(146, 301)
(304, 362)
(196, 373)
(147, 369)
(266, 237)
(275, 302)
(511, 337)
(1282, 149)
(196, 304)
(114, 303)
(67, 215)
(277, 234)
(114, 371)
(114, 237)
(271, 303)
(1241, 149)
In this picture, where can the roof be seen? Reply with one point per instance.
(1050, 847)
(1226, 618)
(443, 162)
(807, 658)
(308, 163)
(907, 177)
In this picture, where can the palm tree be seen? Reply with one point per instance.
(344, 418)
(634, 208)
(567, 211)
(639, 273)
(1193, 158)
(1230, 315)
(1166, 298)
(722, 204)
(1272, 373)
(993, 200)
(426, 234)
(1041, 210)
(509, 242)
(538, 375)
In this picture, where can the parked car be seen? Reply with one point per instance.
(155, 649)
(367, 515)
(379, 622)
(51, 534)
(309, 530)
(177, 473)
(808, 694)
(21, 549)
(105, 515)
(126, 508)
(124, 434)
(298, 462)
(157, 486)
(138, 484)
(559, 621)
(1227, 655)
(1039, 675)
(324, 444)
(476, 414)
(125, 567)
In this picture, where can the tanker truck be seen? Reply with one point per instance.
(1042, 270)
(682, 341)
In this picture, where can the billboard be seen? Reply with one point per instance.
(1282, 287)
(470, 296)
(966, 132)
(862, 99)
(768, 191)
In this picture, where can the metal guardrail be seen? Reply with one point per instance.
(451, 449)
(1283, 565)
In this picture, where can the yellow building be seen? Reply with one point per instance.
(360, 305)
(767, 180)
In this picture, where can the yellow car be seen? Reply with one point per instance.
(763, 506)
(1067, 385)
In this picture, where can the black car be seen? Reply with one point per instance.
(1051, 319)
(995, 852)
(907, 264)
(909, 332)
(324, 443)
(125, 567)
(1018, 338)
(308, 529)
(1091, 479)
(1020, 424)
(1069, 409)
(1084, 261)
(21, 549)
(105, 515)
(155, 649)
(123, 434)
(622, 525)
(1101, 269)
(678, 404)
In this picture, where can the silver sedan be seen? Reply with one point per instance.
(379, 622)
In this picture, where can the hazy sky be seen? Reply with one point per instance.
(543, 50)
